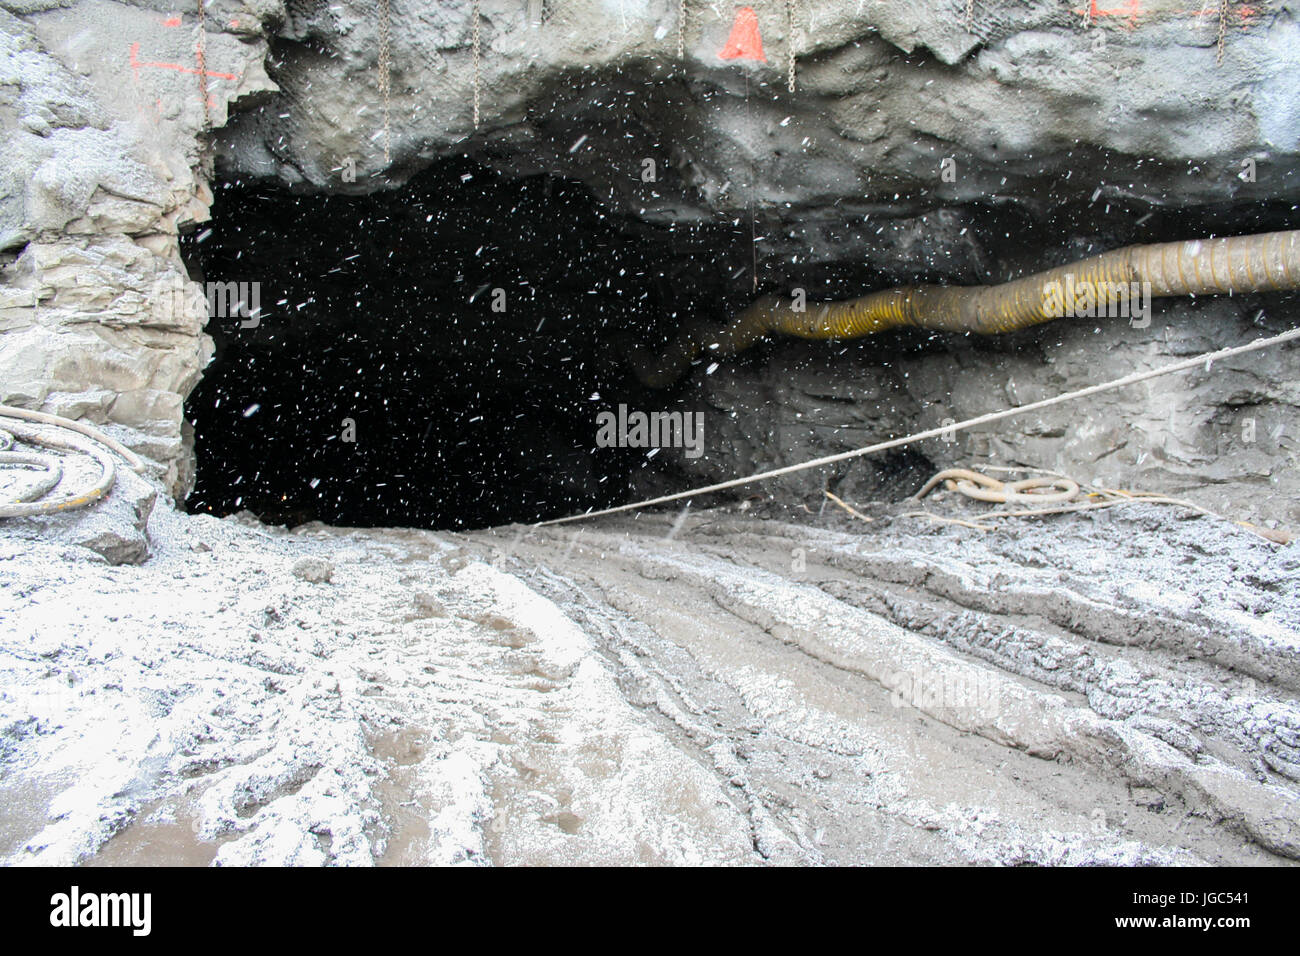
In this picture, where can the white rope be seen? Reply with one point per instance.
(21, 504)
(1207, 359)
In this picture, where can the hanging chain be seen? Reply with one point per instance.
(1223, 29)
(789, 17)
(385, 67)
(681, 29)
(201, 61)
(478, 49)
(970, 16)
(753, 220)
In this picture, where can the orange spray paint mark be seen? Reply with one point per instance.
(1245, 14)
(1132, 10)
(744, 42)
(172, 22)
(137, 64)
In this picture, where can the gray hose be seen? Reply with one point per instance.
(90, 431)
(11, 426)
(43, 485)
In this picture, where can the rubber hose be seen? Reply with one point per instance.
(100, 487)
(1259, 263)
(43, 484)
(90, 431)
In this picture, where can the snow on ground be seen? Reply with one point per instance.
(651, 692)
(259, 718)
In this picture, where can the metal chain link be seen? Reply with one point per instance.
(970, 15)
(201, 61)
(753, 218)
(385, 67)
(1223, 30)
(789, 16)
(681, 29)
(478, 50)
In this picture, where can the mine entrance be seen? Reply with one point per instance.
(433, 356)
(440, 355)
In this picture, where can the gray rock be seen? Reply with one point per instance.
(313, 570)
(1034, 106)
(425, 605)
(116, 528)
(95, 182)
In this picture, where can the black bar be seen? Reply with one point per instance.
(214, 906)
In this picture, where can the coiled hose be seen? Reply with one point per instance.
(1260, 263)
(30, 501)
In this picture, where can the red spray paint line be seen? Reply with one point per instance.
(744, 42)
(1133, 12)
(136, 64)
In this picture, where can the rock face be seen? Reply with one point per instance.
(100, 166)
(116, 529)
(917, 144)
(1033, 105)
(1225, 437)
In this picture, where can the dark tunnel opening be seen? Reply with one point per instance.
(434, 356)
(437, 356)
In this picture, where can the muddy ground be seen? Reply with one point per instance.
(708, 686)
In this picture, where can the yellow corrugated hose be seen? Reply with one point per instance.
(1243, 264)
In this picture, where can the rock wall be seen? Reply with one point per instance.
(1227, 437)
(1036, 105)
(1067, 121)
(101, 164)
